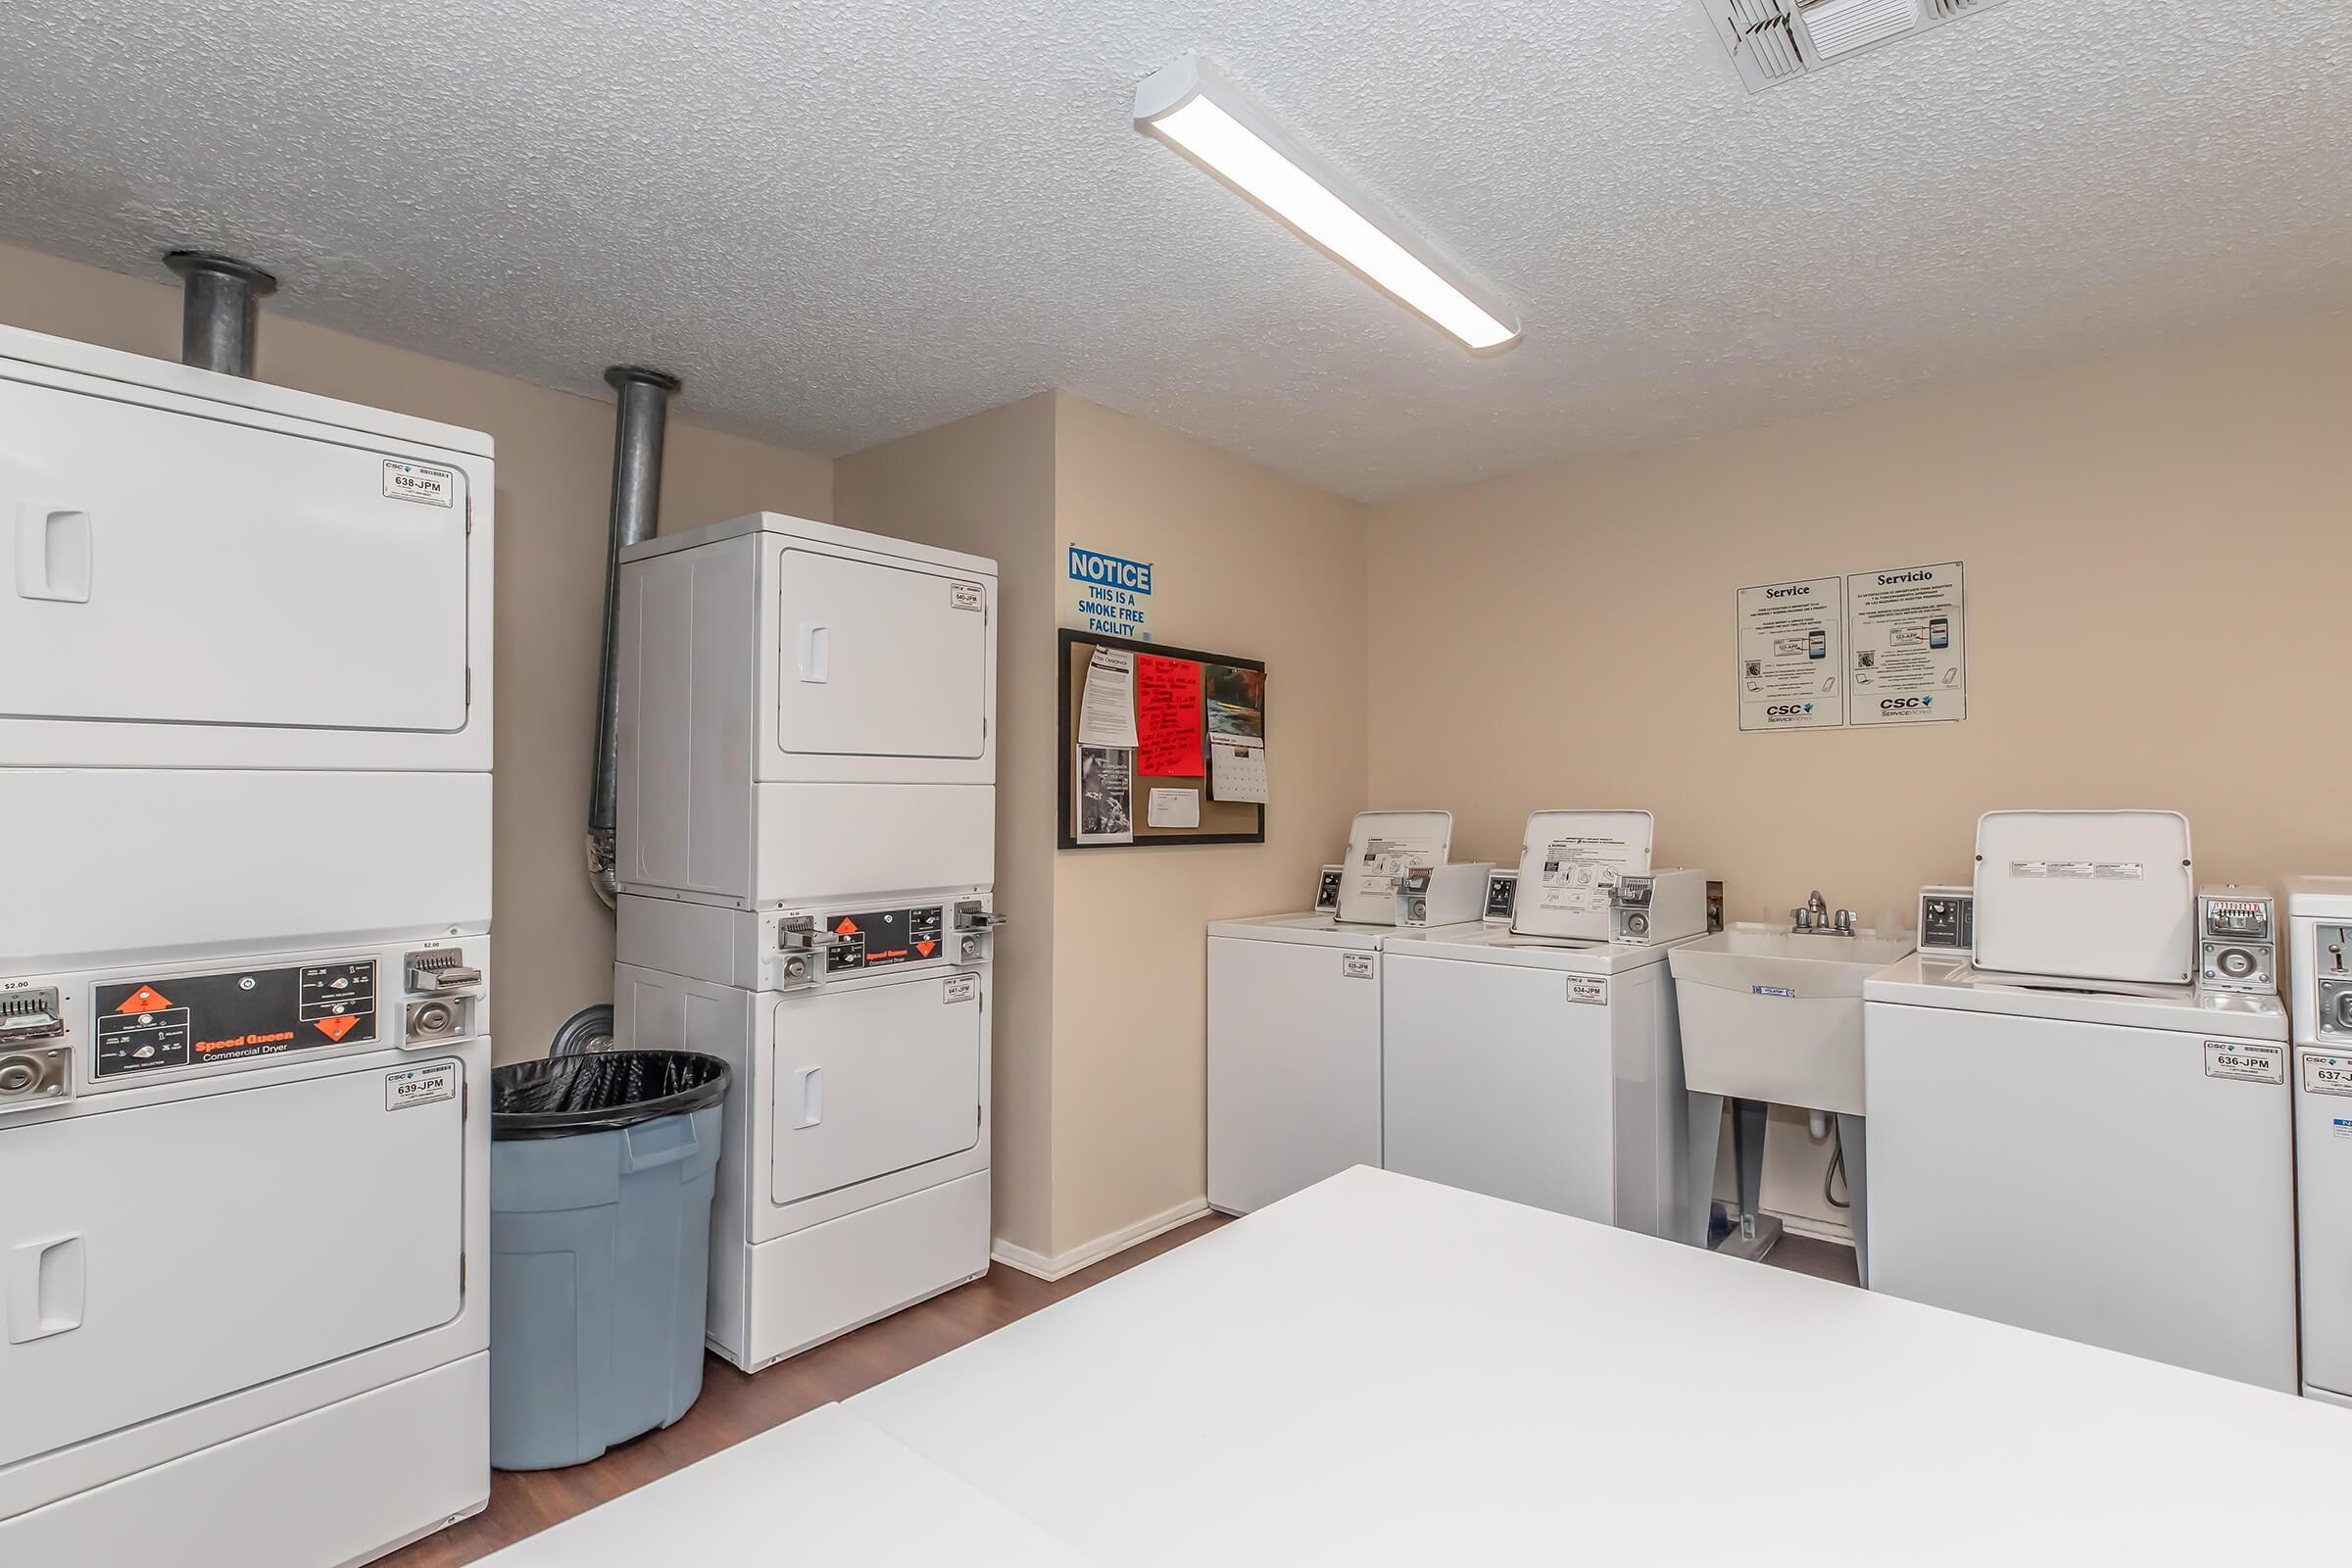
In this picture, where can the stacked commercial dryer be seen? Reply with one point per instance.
(244, 1114)
(1540, 1060)
(2084, 1130)
(1294, 1009)
(808, 865)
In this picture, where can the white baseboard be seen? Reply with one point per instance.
(1819, 1230)
(1087, 1253)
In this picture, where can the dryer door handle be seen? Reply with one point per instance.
(44, 1289)
(810, 1085)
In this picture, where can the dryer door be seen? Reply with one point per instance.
(874, 1080)
(880, 659)
(171, 1253)
(166, 568)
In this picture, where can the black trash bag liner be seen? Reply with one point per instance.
(602, 1093)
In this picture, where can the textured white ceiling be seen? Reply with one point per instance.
(846, 222)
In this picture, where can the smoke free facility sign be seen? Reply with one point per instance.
(1108, 595)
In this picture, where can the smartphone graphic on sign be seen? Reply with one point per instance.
(1817, 644)
(1940, 632)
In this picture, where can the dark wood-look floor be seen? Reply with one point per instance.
(734, 1406)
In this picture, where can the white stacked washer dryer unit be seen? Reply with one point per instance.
(2319, 966)
(1294, 1009)
(245, 773)
(807, 837)
(2065, 1132)
(1541, 1061)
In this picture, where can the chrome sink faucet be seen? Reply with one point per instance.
(1815, 919)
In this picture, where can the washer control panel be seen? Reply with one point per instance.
(2330, 958)
(1948, 920)
(2238, 941)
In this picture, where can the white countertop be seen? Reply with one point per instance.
(1380, 1370)
(827, 1488)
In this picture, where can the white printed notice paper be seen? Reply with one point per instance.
(1907, 629)
(1107, 711)
(1792, 654)
(1872, 648)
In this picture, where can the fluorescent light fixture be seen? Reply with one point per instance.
(1214, 124)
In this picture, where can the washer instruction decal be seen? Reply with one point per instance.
(1791, 653)
(1907, 629)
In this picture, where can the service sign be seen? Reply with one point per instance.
(1792, 654)
(1907, 635)
(1108, 595)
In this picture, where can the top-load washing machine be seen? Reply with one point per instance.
(807, 845)
(1539, 1061)
(2068, 1135)
(1294, 1009)
(2319, 911)
(245, 780)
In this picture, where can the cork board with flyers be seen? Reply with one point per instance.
(1160, 745)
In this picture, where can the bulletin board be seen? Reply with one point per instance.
(1183, 701)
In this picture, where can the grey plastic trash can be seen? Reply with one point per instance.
(601, 1174)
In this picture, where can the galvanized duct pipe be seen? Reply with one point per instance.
(641, 418)
(220, 310)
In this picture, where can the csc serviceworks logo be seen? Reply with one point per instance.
(1789, 710)
(1904, 705)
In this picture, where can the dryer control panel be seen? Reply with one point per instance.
(879, 939)
(150, 1025)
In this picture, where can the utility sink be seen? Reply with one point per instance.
(1777, 1016)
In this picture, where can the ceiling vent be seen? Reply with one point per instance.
(1841, 26)
(1772, 42)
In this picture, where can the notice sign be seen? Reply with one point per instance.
(1108, 595)
(1791, 648)
(1907, 629)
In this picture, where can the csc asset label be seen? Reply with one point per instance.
(2244, 1063)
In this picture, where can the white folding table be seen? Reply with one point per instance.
(1381, 1370)
(827, 1488)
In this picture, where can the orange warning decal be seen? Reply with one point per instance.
(336, 1028)
(144, 1000)
(847, 928)
(925, 946)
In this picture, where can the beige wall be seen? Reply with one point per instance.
(554, 458)
(985, 486)
(1244, 563)
(2150, 546)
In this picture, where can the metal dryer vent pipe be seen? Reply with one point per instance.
(220, 310)
(641, 418)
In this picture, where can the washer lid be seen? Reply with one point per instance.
(2086, 895)
(1925, 980)
(1382, 846)
(1493, 944)
(1569, 865)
